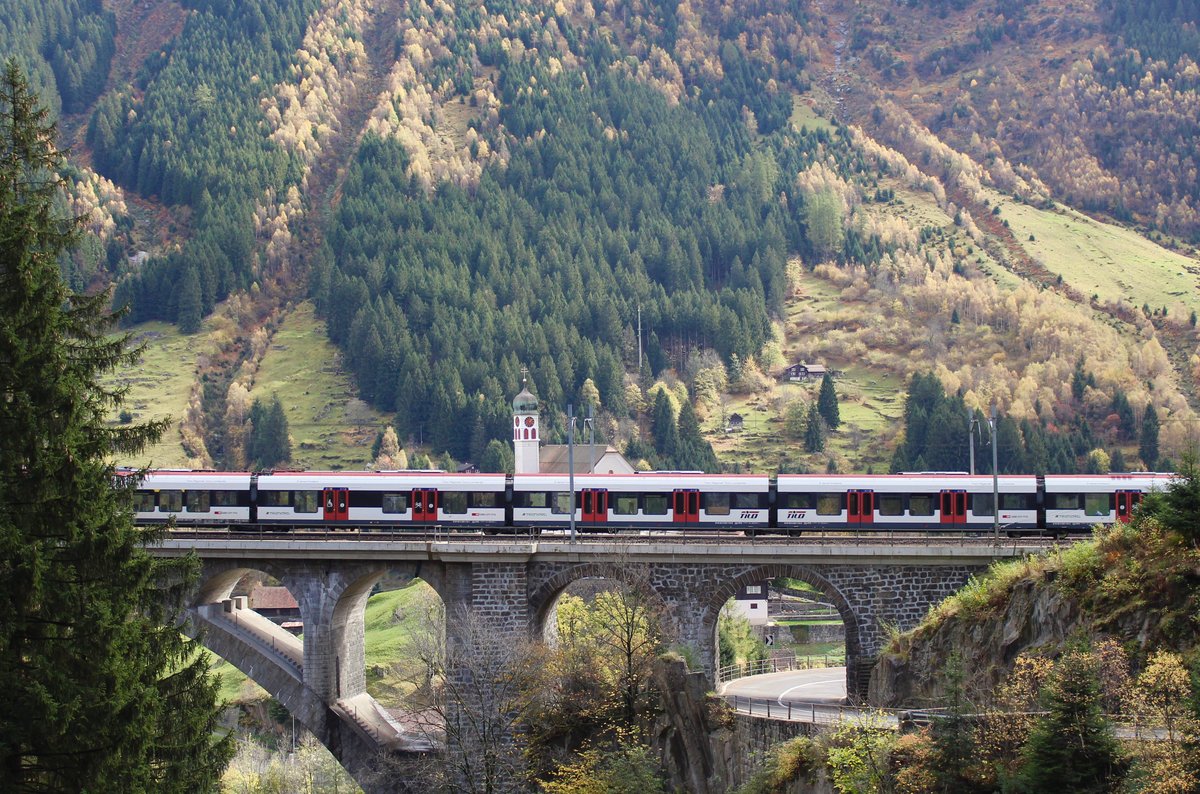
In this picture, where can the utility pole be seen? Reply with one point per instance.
(571, 465)
(639, 340)
(590, 424)
(995, 481)
(972, 423)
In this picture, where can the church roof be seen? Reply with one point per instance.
(525, 403)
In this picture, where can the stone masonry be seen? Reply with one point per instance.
(514, 594)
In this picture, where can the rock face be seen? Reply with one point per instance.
(694, 733)
(1036, 615)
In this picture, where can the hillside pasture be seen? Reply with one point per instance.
(330, 427)
(160, 386)
(1097, 258)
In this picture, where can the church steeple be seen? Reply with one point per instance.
(526, 428)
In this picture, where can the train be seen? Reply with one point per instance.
(750, 504)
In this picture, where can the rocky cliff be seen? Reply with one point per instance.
(1136, 584)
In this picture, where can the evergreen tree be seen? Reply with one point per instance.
(663, 427)
(102, 691)
(827, 403)
(695, 453)
(191, 306)
(1071, 748)
(270, 443)
(814, 434)
(954, 747)
(1148, 442)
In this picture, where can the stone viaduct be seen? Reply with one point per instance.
(512, 585)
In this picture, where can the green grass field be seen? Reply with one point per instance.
(330, 428)
(1098, 258)
(161, 386)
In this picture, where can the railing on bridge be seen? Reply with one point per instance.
(810, 712)
(778, 665)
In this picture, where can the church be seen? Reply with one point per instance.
(533, 457)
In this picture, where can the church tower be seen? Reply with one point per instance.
(526, 427)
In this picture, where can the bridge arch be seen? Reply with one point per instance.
(543, 599)
(728, 588)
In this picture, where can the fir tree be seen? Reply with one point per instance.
(1148, 441)
(663, 427)
(270, 443)
(102, 691)
(827, 403)
(1072, 748)
(814, 433)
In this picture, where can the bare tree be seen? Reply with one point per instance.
(475, 685)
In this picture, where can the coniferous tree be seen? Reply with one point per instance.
(695, 453)
(191, 307)
(1071, 748)
(814, 433)
(269, 443)
(827, 403)
(664, 428)
(102, 691)
(1148, 441)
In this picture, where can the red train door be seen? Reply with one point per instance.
(595, 504)
(424, 505)
(860, 507)
(686, 504)
(954, 507)
(336, 504)
(1125, 502)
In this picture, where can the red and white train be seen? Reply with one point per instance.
(750, 503)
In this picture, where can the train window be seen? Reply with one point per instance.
(716, 504)
(982, 504)
(533, 499)
(829, 504)
(625, 505)
(484, 499)
(143, 502)
(920, 504)
(274, 498)
(1062, 501)
(1016, 501)
(223, 498)
(654, 504)
(746, 501)
(454, 502)
(305, 501)
(395, 503)
(561, 503)
(1097, 504)
(890, 504)
(798, 501)
(197, 501)
(170, 501)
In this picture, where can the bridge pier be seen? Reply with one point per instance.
(498, 596)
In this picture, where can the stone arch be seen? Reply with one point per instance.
(217, 580)
(728, 588)
(543, 599)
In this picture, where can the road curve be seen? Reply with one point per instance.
(822, 685)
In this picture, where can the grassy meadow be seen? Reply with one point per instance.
(330, 428)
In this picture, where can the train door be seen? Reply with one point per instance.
(336, 502)
(954, 507)
(1125, 502)
(860, 507)
(424, 505)
(686, 504)
(595, 505)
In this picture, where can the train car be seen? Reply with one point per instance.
(336, 500)
(193, 498)
(904, 501)
(674, 500)
(1079, 501)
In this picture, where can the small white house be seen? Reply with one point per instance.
(751, 603)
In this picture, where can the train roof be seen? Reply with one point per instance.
(182, 480)
(752, 483)
(381, 480)
(906, 483)
(1066, 483)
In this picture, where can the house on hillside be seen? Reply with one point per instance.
(805, 372)
(735, 424)
(276, 604)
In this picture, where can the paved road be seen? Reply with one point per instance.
(824, 685)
